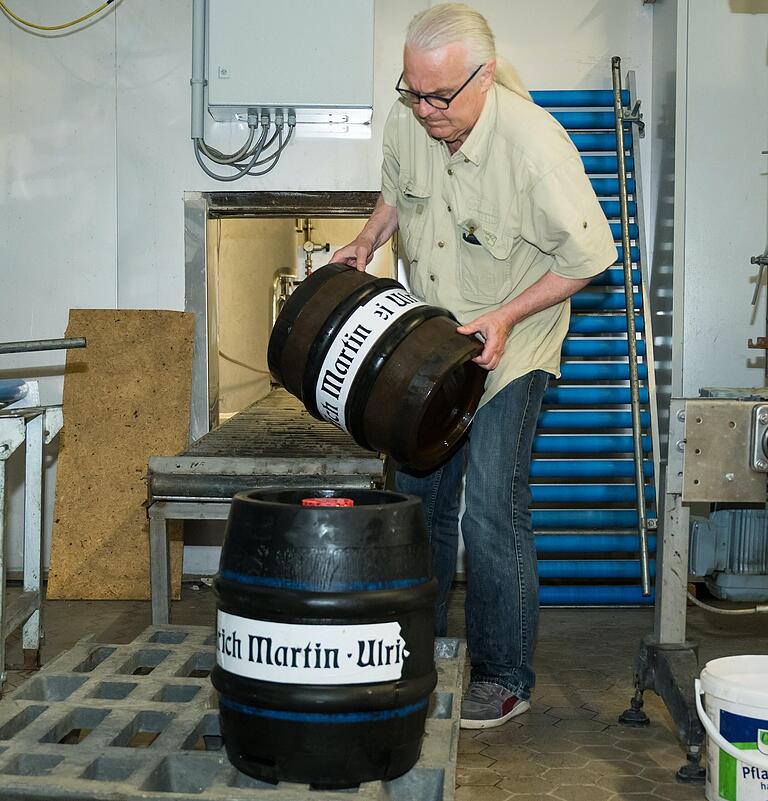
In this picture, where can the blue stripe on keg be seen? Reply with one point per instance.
(287, 584)
(320, 717)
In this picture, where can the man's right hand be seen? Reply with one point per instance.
(357, 254)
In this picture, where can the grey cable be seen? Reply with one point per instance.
(239, 174)
(274, 157)
(750, 611)
(241, 169)
(223, 158)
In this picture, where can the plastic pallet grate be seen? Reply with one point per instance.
(140, 721)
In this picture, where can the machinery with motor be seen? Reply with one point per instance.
(718, 454)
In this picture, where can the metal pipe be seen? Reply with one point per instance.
(34, 345)
(634, 381)
(197, 80)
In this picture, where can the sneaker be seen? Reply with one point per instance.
(485, 705)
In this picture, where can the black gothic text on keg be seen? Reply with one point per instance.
(263, 651)
(374, 653)
(333, 382)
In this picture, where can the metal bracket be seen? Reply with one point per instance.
(636, 117)
(759, 449)
(12, 432)
(54, 420)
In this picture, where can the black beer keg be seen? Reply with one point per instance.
(367, 356)
(324, 659)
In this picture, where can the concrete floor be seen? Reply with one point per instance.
(568, 747)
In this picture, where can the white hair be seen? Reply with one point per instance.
(456, 22)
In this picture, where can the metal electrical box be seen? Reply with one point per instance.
(312, 56)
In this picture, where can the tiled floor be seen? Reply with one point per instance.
(568, 747)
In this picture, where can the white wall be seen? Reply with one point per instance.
(726, 192)
(95, 152)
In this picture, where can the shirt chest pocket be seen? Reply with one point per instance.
(484, 269)
(412, 208)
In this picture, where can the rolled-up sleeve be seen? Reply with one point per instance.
(560, 215)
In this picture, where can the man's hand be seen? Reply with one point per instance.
(357, 254)
(494, 329)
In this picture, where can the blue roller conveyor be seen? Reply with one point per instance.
(612, 210)
(586, 595)
(592, 419)
(586, 443)
(592, 568)
(602, 324)
(587, 468)
(634, 231)
(595, 142)
(609, 187)
(599, 371)
(588, 493)
(585, 120)
(591, 396)
(577, 98)
(604, 165)
(584, 518)
(591, 543)
(634, 254)
(603, 301)
(596, 347)
(614, 276)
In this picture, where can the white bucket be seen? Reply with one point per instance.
(736, 720)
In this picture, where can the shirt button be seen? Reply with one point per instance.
(441, 244)
(450, 171)
(431, 276)
(449, 208)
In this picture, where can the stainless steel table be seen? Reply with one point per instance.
(273, 443)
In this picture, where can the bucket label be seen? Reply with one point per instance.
(351, 345)
(735, 780)
(290, 653)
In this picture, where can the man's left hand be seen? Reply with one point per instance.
(494, 329)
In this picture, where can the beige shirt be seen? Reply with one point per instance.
(517, 186)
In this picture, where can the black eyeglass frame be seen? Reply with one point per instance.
(414, 98)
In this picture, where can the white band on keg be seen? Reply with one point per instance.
(355, 339)
(297, 654)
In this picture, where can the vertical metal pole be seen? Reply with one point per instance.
(672, 550)
(634, 382)
(159, 567)
(33, 534)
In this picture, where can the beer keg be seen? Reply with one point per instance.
(325, 641)
(364, 354)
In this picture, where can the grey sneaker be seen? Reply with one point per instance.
(485, 705)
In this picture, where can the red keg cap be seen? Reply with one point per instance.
(327, 502)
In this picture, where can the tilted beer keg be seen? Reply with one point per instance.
(367, 356)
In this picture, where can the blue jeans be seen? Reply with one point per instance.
(502, 602)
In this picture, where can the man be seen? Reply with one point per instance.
(501, 226)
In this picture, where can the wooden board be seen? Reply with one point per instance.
(126, 398)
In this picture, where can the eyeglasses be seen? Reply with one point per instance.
(436, 101)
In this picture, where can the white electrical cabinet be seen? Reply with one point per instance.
(311, 56)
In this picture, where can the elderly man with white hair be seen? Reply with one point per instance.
(501, 226)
